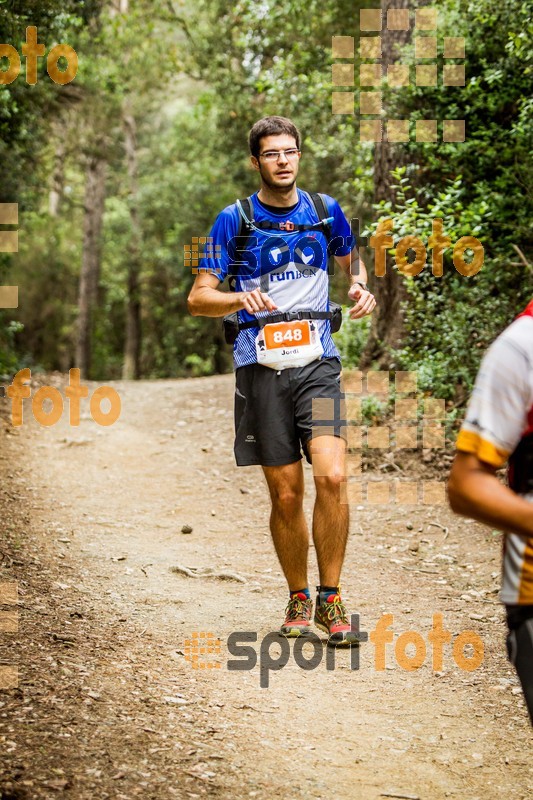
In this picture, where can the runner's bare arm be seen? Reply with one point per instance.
(475, 491)
(352, 265)
(206, 300)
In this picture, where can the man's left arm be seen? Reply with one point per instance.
(344, 249)
(352, 265)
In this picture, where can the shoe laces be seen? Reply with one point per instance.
(296, 607)
(336, 610)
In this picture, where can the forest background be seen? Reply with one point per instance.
(115, 172)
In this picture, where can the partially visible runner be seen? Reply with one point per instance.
(498, 428)
(282, 275)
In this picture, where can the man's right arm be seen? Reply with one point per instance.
(206, 300)
(495, 420)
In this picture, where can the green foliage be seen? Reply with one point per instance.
(45, 271)
(196, 77)
(373, 410)
(351, 339)
(451, 320)
(25, 111)
(8, 361)
(481, 187)
(178, 204)
(276, 59)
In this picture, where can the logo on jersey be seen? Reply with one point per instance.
(276, 254)
(293, 274)
(307, 260)
(307, 255)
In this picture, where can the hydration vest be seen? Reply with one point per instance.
(231, 322)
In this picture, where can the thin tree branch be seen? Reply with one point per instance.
(523, 259)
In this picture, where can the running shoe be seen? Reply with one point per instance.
(297, 616)
(332, 618)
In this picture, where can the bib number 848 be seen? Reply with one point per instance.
(288, 336)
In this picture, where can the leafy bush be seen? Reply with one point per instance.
(351, 339)
(8, 359)
(451, 320)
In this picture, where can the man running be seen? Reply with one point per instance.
(499, 427)
(281, 278)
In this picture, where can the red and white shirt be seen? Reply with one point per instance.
(499, 415)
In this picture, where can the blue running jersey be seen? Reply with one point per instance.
(291, 266)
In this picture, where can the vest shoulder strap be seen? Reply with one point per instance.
(243, 233)
(248, 209)
(321, 209)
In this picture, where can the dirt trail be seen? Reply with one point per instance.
(108, 706)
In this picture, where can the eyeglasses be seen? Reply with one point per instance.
(274, 155)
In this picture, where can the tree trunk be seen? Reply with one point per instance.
(91, 257)
(118, 7)
(131, 366)
(132, 344)
(58, 174)
(387, 323)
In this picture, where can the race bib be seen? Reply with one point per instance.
(288, 344)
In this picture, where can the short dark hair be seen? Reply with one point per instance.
(271, 126)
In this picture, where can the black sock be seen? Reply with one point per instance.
(325, 591)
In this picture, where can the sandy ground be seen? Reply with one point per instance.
(108, 703)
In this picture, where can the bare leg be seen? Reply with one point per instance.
(330, 516)
(287, 521)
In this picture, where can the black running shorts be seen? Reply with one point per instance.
(274, 411)
(520, 648)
